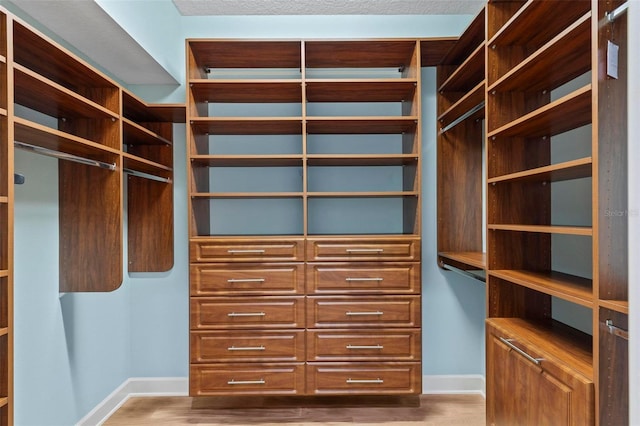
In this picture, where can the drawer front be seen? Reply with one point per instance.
(247, 250)
(254, 346)
(267, 279)
(354, 278)
(210, 312)
(363, 249)
(335, 312)
(362, 378)
(246, 379)
(352, 345)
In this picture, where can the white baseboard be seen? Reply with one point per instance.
(454, 384)
(135, 386)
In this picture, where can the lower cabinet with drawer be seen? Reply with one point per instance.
(318, 316)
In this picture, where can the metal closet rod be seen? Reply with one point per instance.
(64, 156)
(615, 13)
(147, 175)
(462, 272)
(463, 117)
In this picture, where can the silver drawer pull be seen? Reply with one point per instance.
(246, 280)
(246, 382)
(507, 342)
(246, 314)
(363, 279)
(365, 381)
(246, 348)
(236, 251)
(350, 314)
(365, 250)
(365, 347)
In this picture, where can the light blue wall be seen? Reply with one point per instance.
(73, 350)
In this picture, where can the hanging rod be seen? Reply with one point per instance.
(462, 272)
(147, 176)
(64, 156)
(462, 117)
(616, 331)
(615, 14)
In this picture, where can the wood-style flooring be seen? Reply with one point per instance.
(425, 410)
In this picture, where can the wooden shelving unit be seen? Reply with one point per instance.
(301, 169)
(461, 110)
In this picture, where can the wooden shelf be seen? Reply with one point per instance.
(553, 339)
(135, 134)
(3, 112)
(474, 97)
(567, 113)
(471, 258)
(239, 195)
(359, 53)
(563, 58)
(236, 91)
(36, 92)
(248, 160)
(564, 286)
(248, 126)
(433, 50)
(4, 199)
(621, 306)
(350, 90)
(538, 21)
(3, 59)
(380, 194)
(544, 229)
(362, 160)
(240, 54)
(139, 111)
(35, 134)
(575, 169)
(4, 401)
(472, 37)
(361, 125)
(468, 74)
(4, 331)
(4, 273)
(140, 164)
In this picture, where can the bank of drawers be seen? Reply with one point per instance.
(264, 322)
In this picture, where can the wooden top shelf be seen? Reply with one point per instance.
(139, 111)
(562, 59)
(246, 54)
(35, 134)
(544, 229)
(564, 286)
(434, 50)
(621, 306)
(248, 126)
(350, 90)
(248, 160)
(361, 160)
(575, 169)
(471, 99)
(567, 113)
(468, 74)
(135, 134)
(361, 125)
(470, 39)
(359, 53)
(261, 91)
(36, 92)
(551, 340)
(471, 258)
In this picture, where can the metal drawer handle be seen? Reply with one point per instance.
(365, 381)
(365, 250)
(246, 348)
(349, 313)
(246, 314)
(246, 280)
(235, 251)
(520, 351)
(246, 382)
(616, 331)
(365, 347)
(363, 279)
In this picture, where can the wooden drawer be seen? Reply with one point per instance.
(364, 378)
(367, 249)
(361, 345)
(361, 278)
(246, 250)
(256, 312)
(232, 278)
(254, 346)
(345, 311)
(246, 379)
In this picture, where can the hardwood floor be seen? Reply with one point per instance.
(426, 410)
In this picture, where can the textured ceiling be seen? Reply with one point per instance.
(328, 7)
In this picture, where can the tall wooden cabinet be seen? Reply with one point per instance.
(556, 210)
(304, 194)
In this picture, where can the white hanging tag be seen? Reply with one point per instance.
(612, 59)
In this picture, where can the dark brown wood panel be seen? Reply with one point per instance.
(359, 53)
(613, 368)
(238, 91)
(245, 54)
